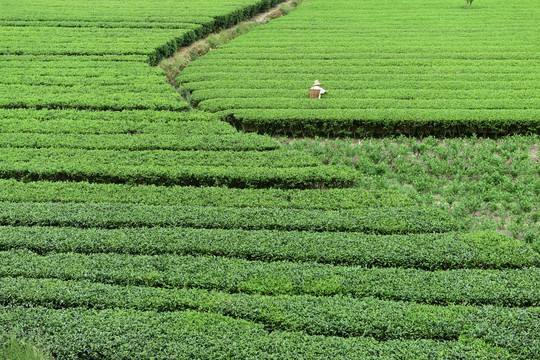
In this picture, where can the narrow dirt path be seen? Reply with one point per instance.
(261, 18)
(174, 65)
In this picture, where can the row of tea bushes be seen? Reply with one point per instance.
(485, 250)
(511, 288)
(317, 199)
(394, 220)
(132, 334)
(329, 316)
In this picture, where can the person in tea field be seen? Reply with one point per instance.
(317, 86)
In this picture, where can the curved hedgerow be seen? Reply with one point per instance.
(509, 287)
(485, 250)
(395, 220)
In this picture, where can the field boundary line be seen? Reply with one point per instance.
(173, 65)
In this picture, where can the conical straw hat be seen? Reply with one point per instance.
(317, 83)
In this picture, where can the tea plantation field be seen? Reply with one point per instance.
(137, 225)
(410, 67)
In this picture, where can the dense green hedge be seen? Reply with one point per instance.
(158, 97)
(486, 250)
(235, 141)
(328, 199)
(376, 221)
(74, 125)
(114, 78)
(330, 316)
(215, 69)
(79, 160)
(101, 23)
(462, 286)
(231, 176)
(247, 169)
(215, 105)
(99, 122)
(14, 61)
(131, 334)
(378, 122)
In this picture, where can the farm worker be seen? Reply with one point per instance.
(317, 86)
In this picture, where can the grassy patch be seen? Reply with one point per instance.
(14, 349)
(495, 182)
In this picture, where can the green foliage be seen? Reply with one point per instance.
(189, 175)
(131, 334)
(115, 98)
(383, 77)
(104, 256)
(379, 122)
(373, 221)
(516, 287)
(213, 41)
(285, 158)
(236, 142)
(12, 348)
(493, 181)
(243, 169)
(286, 8)
(85, 83)
(157, 38)
(486, 250)
(107, 122)
(329, 316)
(109, 72)
(83, 192)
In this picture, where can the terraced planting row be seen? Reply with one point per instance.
(104, 122)
(487, 250)
(214, 336)
(308, 271)
(282, 169)
(49, 62)
(336, 315)
(414, 71)
(113, 82)
(80, 192)
(393, 220)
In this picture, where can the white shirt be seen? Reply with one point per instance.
(322, 91)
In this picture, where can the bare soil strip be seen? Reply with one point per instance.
(174, 65)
